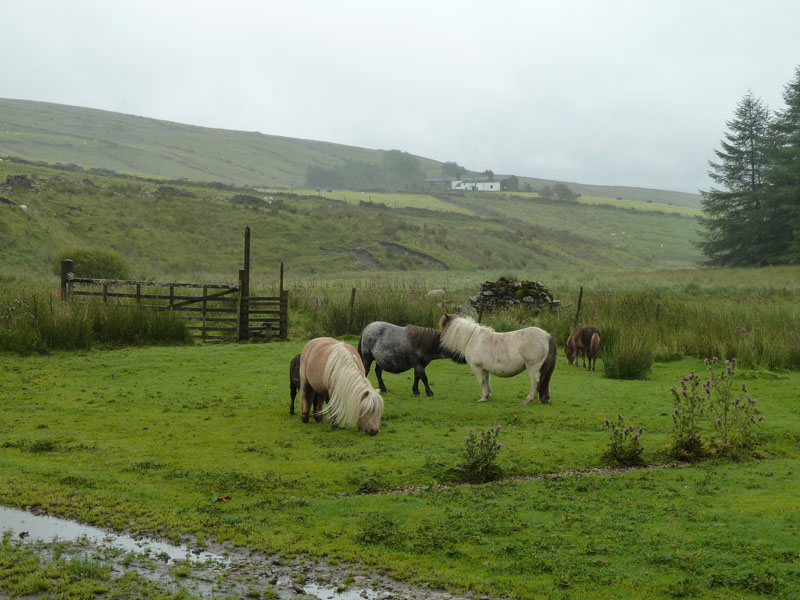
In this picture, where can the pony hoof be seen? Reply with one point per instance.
(483, 399)
(304, 418)
(430, 394)
(416, 392)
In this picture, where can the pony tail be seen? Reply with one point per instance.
(594, 346)
(546, 370)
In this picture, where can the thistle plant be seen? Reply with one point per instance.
(733, 419)
(689, 406)
(478, 459)
(625, 448)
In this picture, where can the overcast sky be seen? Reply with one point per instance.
(598, 91)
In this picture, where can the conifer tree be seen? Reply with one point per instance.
(784, 175)
(736, 231)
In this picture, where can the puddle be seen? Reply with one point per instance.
(46, 529)
(238, 572)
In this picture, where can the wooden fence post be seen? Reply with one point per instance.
(241, 309)
(350, 313)
(578, 311)
(66, 269)
(244, 290)
(284, 310)
(284, 317)
(205, 305)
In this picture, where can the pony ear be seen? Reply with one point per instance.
(444, 320)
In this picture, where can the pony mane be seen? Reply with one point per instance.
(351, 394)
(459, 330)
(423, 339)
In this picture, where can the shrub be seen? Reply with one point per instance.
(477, 464)
(625, 448)
(95, 262)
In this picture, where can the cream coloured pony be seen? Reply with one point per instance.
(332, 370)
(503, 354)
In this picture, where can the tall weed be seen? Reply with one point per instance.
(40, 322)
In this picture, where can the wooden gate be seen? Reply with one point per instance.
(213, 311)
(210, 310)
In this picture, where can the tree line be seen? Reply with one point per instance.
(752, 214)
(397, 171)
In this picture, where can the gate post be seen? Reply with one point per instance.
(66, 269)
(578, 311)
(244, 290)
(283, 323)
(242, 329)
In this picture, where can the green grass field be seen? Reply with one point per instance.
(147, 439)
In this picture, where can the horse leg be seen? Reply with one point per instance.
(483, 380)
(367, 360)
(319, 401)
(306, 399)
(420, 375)
(293, 394)
(534, 375)
(378, 373)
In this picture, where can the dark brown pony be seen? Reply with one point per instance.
(584, 342)
(294, 380)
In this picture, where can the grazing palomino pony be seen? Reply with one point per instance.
(332, 369)
(585, 342)
(397, 349)
(503, 354)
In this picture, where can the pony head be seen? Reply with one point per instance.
(371, 412)
(445, 321)
(569, 350)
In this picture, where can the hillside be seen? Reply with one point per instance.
(186, 230)
(57, 133)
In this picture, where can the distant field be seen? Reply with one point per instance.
(638, 205)
(625, 203)
(397, 200)
(184, 230)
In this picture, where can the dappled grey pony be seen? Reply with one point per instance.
(397, 349)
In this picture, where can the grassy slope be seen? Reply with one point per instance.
(159, 433)
(96, 138)
(190, 230)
